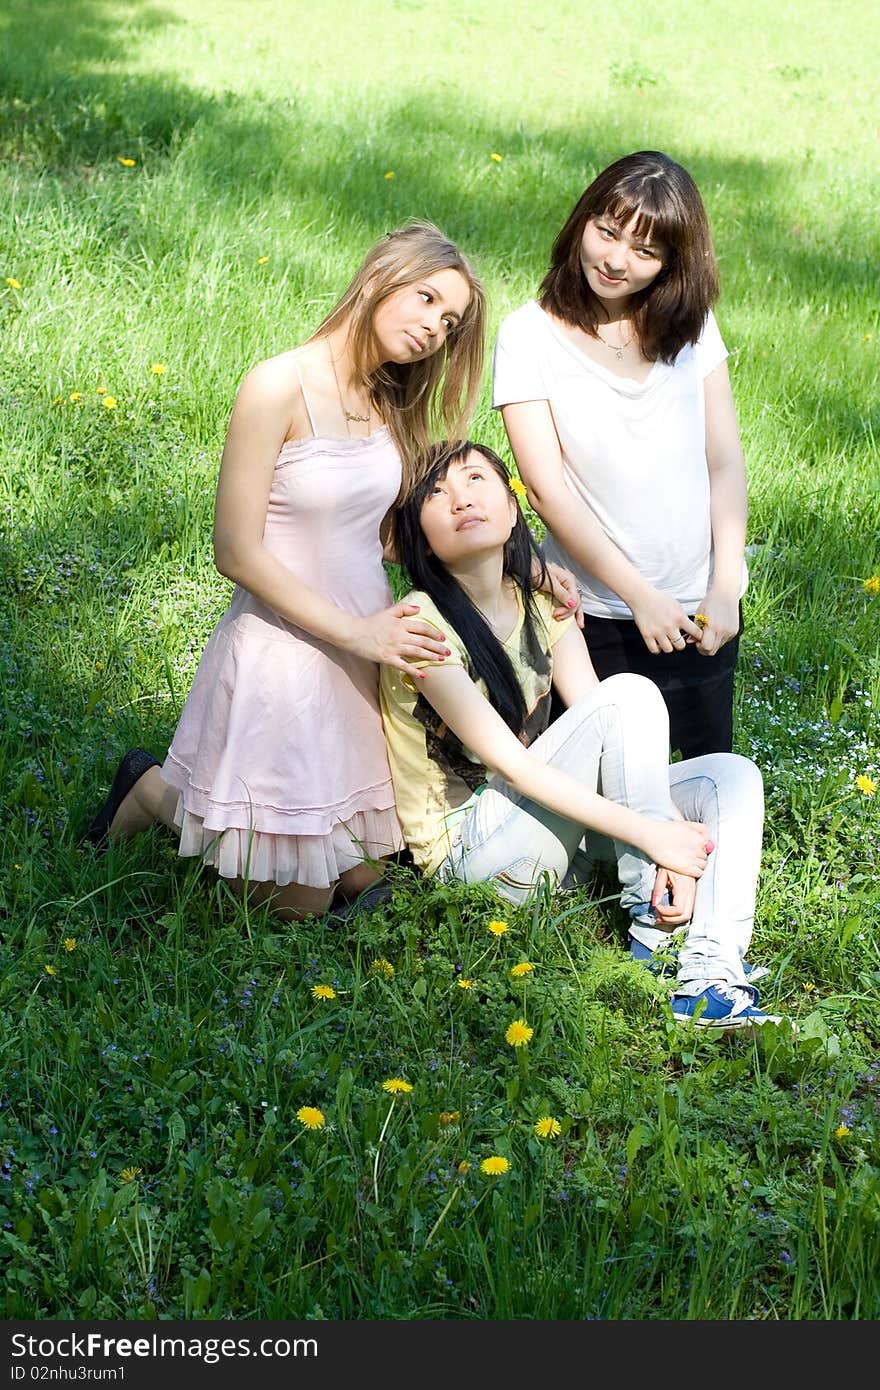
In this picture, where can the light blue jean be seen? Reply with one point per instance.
(616, 741)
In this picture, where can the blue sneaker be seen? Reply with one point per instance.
(721, 1006)
(662, 967)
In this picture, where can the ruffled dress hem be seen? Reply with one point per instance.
(311, 861)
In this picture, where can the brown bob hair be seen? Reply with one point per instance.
(667, 207)
(432, 395)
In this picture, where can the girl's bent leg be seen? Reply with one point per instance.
(614, 740)
(150, 799)
(292, 901)
(726, 793)
(357, 880)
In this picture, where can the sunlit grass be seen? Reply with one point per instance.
(181, 1035)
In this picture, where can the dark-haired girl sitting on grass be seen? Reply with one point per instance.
(486, 791)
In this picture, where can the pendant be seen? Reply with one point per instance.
(361, 419)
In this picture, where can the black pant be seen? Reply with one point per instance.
(697, 690)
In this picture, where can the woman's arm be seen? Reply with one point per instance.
(728, 509)
(677, 844)
(264, 409)
(535, 445)
(573, 671)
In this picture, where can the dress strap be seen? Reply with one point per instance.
(305, 397)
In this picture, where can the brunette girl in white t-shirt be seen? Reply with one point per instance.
(615, 395)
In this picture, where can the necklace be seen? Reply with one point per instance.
(350, 415)
(617, 348)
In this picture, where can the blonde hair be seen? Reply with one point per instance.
(432, 395)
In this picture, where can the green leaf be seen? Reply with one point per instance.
(201, 1289)
(634, 1142)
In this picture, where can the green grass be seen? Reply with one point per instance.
(179, 1037)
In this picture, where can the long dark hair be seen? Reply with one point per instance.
(434, 393)
(667, 206)
(489, 660)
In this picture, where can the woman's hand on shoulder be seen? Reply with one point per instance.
(562, 587)
(663, 623)
(397, 637)
(722, 622)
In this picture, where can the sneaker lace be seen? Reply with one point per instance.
(739, 997)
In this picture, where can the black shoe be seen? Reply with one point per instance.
(377, 893)
(130, 770)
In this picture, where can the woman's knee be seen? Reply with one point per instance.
(634, 700)
(743, 779)
(629, 689)
(728, 778)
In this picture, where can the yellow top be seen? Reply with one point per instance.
(436, 778)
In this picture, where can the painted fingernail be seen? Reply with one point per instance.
(571, 603)
(710, 845)
(447, 651)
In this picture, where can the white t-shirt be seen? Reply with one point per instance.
(635, 452)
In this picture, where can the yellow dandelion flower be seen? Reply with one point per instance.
(109, 402)
(76, 396)
(69, 943)
(548, 1128)
(841, 1132)
(449, 1117)
(464, 1167)
(866, 785)
(809, 986)
(498, 928)
(99, 665)
(129, 1174)
(465, 984)
(390, 174)
(519, 1033)
(323, 992)
(701, 620)
(311, 1117)
(59, 400)
(395, 1085)
(517, 487)
(496, 156)
(50, 970)
(158, 369)
(382, 967)
(262, 260)
(13, 283)
(524, 968)
(125, 161)
(872, 585)
(494, 1165)
(101, 390)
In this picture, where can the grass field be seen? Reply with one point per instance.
(188, 186)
